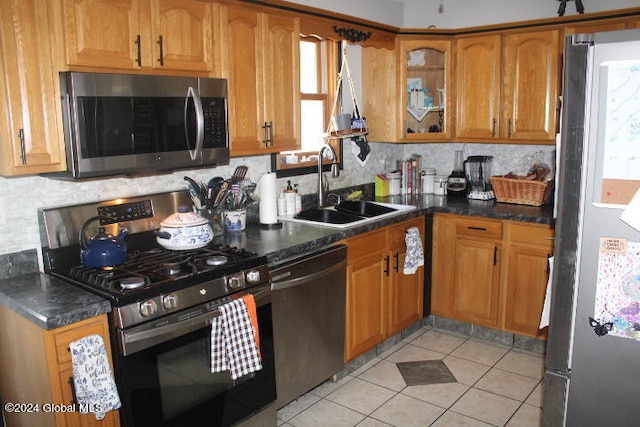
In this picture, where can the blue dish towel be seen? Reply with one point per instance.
(95, 387)
(233, 344)
(415, 254)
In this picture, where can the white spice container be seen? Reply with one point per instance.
(428, 176)
(440, 185)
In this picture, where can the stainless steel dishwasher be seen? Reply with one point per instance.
(308, 304)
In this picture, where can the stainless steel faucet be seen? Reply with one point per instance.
(323, 186)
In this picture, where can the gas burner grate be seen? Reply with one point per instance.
(158, 266)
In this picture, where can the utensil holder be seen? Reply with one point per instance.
(235, 220)
(215, 220)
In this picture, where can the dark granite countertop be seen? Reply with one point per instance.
(51, 303)
(295, 239)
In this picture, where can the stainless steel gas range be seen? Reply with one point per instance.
(163, 302)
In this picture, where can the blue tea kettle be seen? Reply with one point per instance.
(103, 249)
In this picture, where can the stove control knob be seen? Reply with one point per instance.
(148, 308)
(235, 282)
(170, 301)
(253, 276)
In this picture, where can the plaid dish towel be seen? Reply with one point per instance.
(233, 345)
(415, 255)
(92, 378)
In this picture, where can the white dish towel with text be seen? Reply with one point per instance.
(93, 381)
(233, 345)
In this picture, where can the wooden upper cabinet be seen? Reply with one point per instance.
(260, 58)
(30, 116)
(282, 81)
(507, 87)
(379, 93)
(600, 26)
(531, 75)
(137, 34)
(425, 76)
(102, 33)
(478, 86)
(182, 34)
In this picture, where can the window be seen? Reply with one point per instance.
(319, 66)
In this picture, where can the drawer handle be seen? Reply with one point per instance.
(477, 228)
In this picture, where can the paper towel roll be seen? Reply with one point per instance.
(268, 206)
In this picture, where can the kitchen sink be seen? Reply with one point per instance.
(349, 214)
(363, 208)
(330, 216)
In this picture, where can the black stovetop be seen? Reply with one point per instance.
(151, 270)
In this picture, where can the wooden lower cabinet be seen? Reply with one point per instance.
(526, 276)
(36, 368)
(476, 282)
(381, 300)
(490, 272)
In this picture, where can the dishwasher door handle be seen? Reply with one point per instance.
(277, 285)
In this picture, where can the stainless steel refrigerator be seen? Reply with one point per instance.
(593, 350)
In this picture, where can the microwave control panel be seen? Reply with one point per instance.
(215, 121)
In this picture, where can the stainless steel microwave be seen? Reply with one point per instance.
(122, 124)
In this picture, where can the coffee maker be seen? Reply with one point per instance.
(457, 184)
(478, 172)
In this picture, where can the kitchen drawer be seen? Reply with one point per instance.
(367, 244)
(397, 232)
(536, 234)
(65, 335)
(483, 228)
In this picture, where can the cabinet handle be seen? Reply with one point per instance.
(493, 129)
(139, 58)
(161, 58)
(509, 129)
(23, 147)
(397, 257)
(386, 270)
(270, 138)
(265, 136)
(74, 398)
(495, 255)
(476, 228)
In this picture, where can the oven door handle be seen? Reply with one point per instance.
(134, 341)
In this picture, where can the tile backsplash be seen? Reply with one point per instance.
(20, 197)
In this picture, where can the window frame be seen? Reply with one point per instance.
(333, 55)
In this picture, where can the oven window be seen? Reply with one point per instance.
(171, 384)
(185, 378)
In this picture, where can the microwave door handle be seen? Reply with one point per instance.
(197, 103)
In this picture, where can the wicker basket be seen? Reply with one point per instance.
(521, 191)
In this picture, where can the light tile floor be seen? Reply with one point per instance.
(496, 386)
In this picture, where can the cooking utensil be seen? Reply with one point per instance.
(222, 194)
(184, 230)
(239, 174)
(103, 250)
(198, 191)
(214, 185)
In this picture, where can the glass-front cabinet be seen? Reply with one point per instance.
(425, 101)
